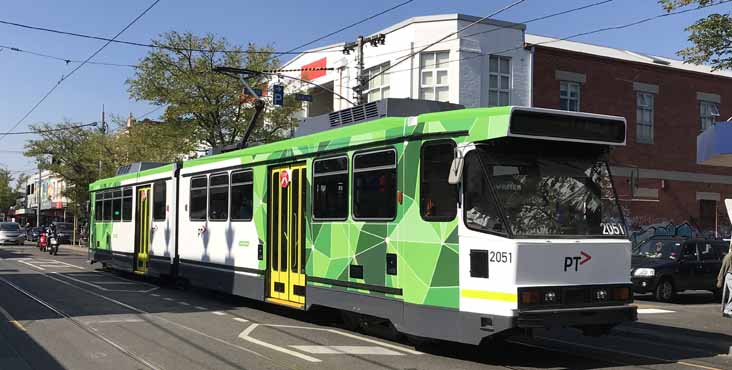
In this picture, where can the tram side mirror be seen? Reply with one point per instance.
(456, 169)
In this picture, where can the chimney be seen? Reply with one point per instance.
(130, 119)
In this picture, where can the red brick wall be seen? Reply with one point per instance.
(609, 90)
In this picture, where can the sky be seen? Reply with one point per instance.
(283, 24)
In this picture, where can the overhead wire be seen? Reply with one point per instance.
(64, 128)
(64, 78)
(499, 11)
(553, 40)
(499, 27)
(65, 60)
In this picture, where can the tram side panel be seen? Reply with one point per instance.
(112, 239)
(220, 246)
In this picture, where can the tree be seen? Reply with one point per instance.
(7, 193)
(207, 103)
(711, 36)
(81, 156)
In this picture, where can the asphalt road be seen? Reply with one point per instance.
(58, 312)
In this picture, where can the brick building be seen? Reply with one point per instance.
(666, 104)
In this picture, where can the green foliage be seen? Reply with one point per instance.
(8, 195)
(207, 103)
(711, 36)
(81, 156)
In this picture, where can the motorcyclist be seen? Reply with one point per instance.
(51, 235)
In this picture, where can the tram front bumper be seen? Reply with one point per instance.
(576, 317)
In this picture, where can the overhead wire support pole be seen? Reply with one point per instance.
(358, 46)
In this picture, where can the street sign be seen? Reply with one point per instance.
(278, 95)
(303, 97)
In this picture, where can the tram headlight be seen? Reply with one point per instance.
(601, 295)
(550, 297)
(644, 272)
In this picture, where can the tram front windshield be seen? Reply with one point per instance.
(541, 193)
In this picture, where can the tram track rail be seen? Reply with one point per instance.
(602, 357)
(80, 325)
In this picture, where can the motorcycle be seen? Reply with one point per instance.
(53, 245)
(42, 242)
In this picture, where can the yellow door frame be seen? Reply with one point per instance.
(142, 229)
(286, 277)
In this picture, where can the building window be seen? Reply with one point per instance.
(438, 198)
(218, 197)
(159, 201)
(433, 82)
(378, 87)
(644, 117)
(198, 199)
(127, 205)
(709, 113)
(374, 185)
(499, 80)
(330, 195)
(241, 196)
(569, 96)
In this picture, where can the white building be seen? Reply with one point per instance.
(485, 65)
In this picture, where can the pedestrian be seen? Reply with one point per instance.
(724, 282)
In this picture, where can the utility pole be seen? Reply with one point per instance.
(358, 45)
(38, 197)
(104, 132)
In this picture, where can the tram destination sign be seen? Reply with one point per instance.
(532, 123)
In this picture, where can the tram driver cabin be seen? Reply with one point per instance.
(442, 221)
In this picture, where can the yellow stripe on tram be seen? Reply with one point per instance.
(489, 296)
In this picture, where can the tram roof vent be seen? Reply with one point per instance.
(390, 107)
(138, 167)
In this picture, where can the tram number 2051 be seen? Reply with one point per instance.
(500, 257)
(612, 229)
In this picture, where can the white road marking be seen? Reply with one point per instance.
(31, 265)
(239, 319)
(349, 335)
(168, 299)
(184, 303)
(67, 276)
(201, 308)
(113, 321)
(155, 295)
(348, 350)
(112, 282)
(219, 313)
(146, 314)
(653, 310)
(245, 336)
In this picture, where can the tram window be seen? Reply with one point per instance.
(159, 202)
(198, 202)
(218, 197)
(438, 198)
(330, 184)
(117, 206)
(98, 207)
(241, 196)
(108, 207)
(481, 212)
(374, 185)
(127, 205)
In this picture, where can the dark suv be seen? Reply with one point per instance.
(64, 232)
(664, 266)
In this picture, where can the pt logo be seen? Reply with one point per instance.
(576, 261)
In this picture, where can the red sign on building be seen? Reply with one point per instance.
(313, 70)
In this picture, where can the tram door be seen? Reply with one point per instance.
(142, 229)
(286, 226)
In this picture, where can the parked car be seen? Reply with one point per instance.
(10, 233)
(32, 234)
(666, 265)
(64, 232)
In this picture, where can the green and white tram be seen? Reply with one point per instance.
(455, 225)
